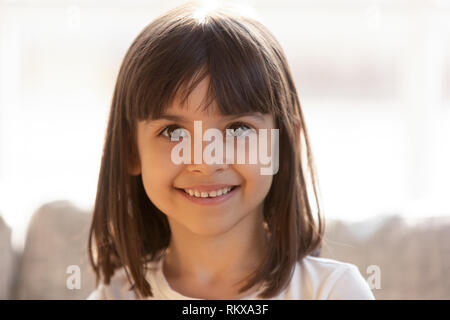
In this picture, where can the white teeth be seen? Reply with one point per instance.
(211, 194)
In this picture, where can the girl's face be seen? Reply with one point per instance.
(168, 184)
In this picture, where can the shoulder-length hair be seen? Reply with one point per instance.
(248, 73)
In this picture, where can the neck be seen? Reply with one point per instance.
(213, 260)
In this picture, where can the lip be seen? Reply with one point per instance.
(209, 201)
(208, 187)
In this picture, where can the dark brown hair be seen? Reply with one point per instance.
(248, 73)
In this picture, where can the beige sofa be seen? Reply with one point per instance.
(413, 260)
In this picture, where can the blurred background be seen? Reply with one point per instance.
(374, 82)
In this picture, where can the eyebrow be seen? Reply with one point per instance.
(174, 117)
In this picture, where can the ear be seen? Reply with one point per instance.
(134, 164)
(134, 169)
(133, 161)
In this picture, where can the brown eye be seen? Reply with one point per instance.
(174, 132)
(239, 129)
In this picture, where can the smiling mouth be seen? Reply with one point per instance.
(212, 197)
(208, 194)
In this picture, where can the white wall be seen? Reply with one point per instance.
(373, 78)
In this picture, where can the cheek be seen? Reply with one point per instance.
(256, 185)
(158, 172)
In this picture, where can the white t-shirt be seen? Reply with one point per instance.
(313, 278)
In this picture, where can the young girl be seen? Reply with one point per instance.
(221, 230)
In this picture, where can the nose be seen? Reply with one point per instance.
(208, 168)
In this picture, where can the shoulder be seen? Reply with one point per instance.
(323, 278)
(117, 289)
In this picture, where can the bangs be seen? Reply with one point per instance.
(175, 53)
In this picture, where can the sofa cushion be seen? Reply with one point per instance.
(413, 256)
(7, 261)
(56, 240)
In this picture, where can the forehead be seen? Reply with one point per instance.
(196, 107)
(196, 103)
(199, 102)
